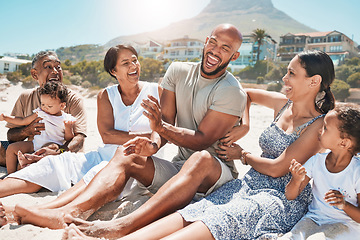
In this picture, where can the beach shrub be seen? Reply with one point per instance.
(340, 89)
(86, 84)
(14, 77)
(276, 72)
(76, 80)
(343, 72)
(260, 80)
(354, 80)
(25, 69)
(355, 61)
(105, 79)
(29, 82)
(274, 86)
(151, 69)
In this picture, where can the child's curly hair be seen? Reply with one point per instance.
(55, 89)
(349, 116)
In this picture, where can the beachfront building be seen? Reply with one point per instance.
(184, 49)
(10, 64)
(150, 49)
(334, 43)
(248, 51)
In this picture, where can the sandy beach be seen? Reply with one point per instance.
(260, 119)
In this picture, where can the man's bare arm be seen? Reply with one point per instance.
(21, 133)
(76, 143)
(213, 126)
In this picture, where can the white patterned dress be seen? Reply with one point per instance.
(254, 207)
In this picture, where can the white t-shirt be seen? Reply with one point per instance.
(347, 182)
(54, 128)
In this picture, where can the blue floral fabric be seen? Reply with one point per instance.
(254, 207)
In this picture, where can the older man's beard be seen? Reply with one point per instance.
(217, 70)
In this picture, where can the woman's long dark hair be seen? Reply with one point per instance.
(319, 63)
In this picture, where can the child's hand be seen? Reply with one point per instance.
(297, 170)
(335, 198)
(69, 124)
(2, 117)
(233, 135)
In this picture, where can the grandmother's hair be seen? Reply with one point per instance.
(319, 63)
(112, 54)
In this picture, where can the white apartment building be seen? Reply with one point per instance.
(150, 49)
(184, 49)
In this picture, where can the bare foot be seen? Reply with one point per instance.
(107, 229)
(23, 161)
(51, 218)
(73, 233)
(8, 215)
(3, 218)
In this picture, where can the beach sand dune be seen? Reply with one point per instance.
(260, 119)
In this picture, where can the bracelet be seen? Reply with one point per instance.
(61, 150)
(243, 157)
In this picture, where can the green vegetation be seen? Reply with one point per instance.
(263, 68)
(340, 89)
(89, 74)
(274, 86)
(349, 67)
(14, 77)
(90, 52)
(151, 69)
(347, 75)
(354, 80)
(260, 80)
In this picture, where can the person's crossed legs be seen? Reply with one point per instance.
(105, 187)
(199, 174)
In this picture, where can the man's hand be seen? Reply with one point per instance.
(50, 149)
(298, 171)
(140, 145)
(153, 112)
(34, 127)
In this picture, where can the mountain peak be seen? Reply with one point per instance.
(231, 5)
(246, 15)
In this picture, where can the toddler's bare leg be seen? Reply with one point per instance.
(12, 154)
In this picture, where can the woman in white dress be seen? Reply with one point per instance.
(119, 118)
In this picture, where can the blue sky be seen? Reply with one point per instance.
(31, 26)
